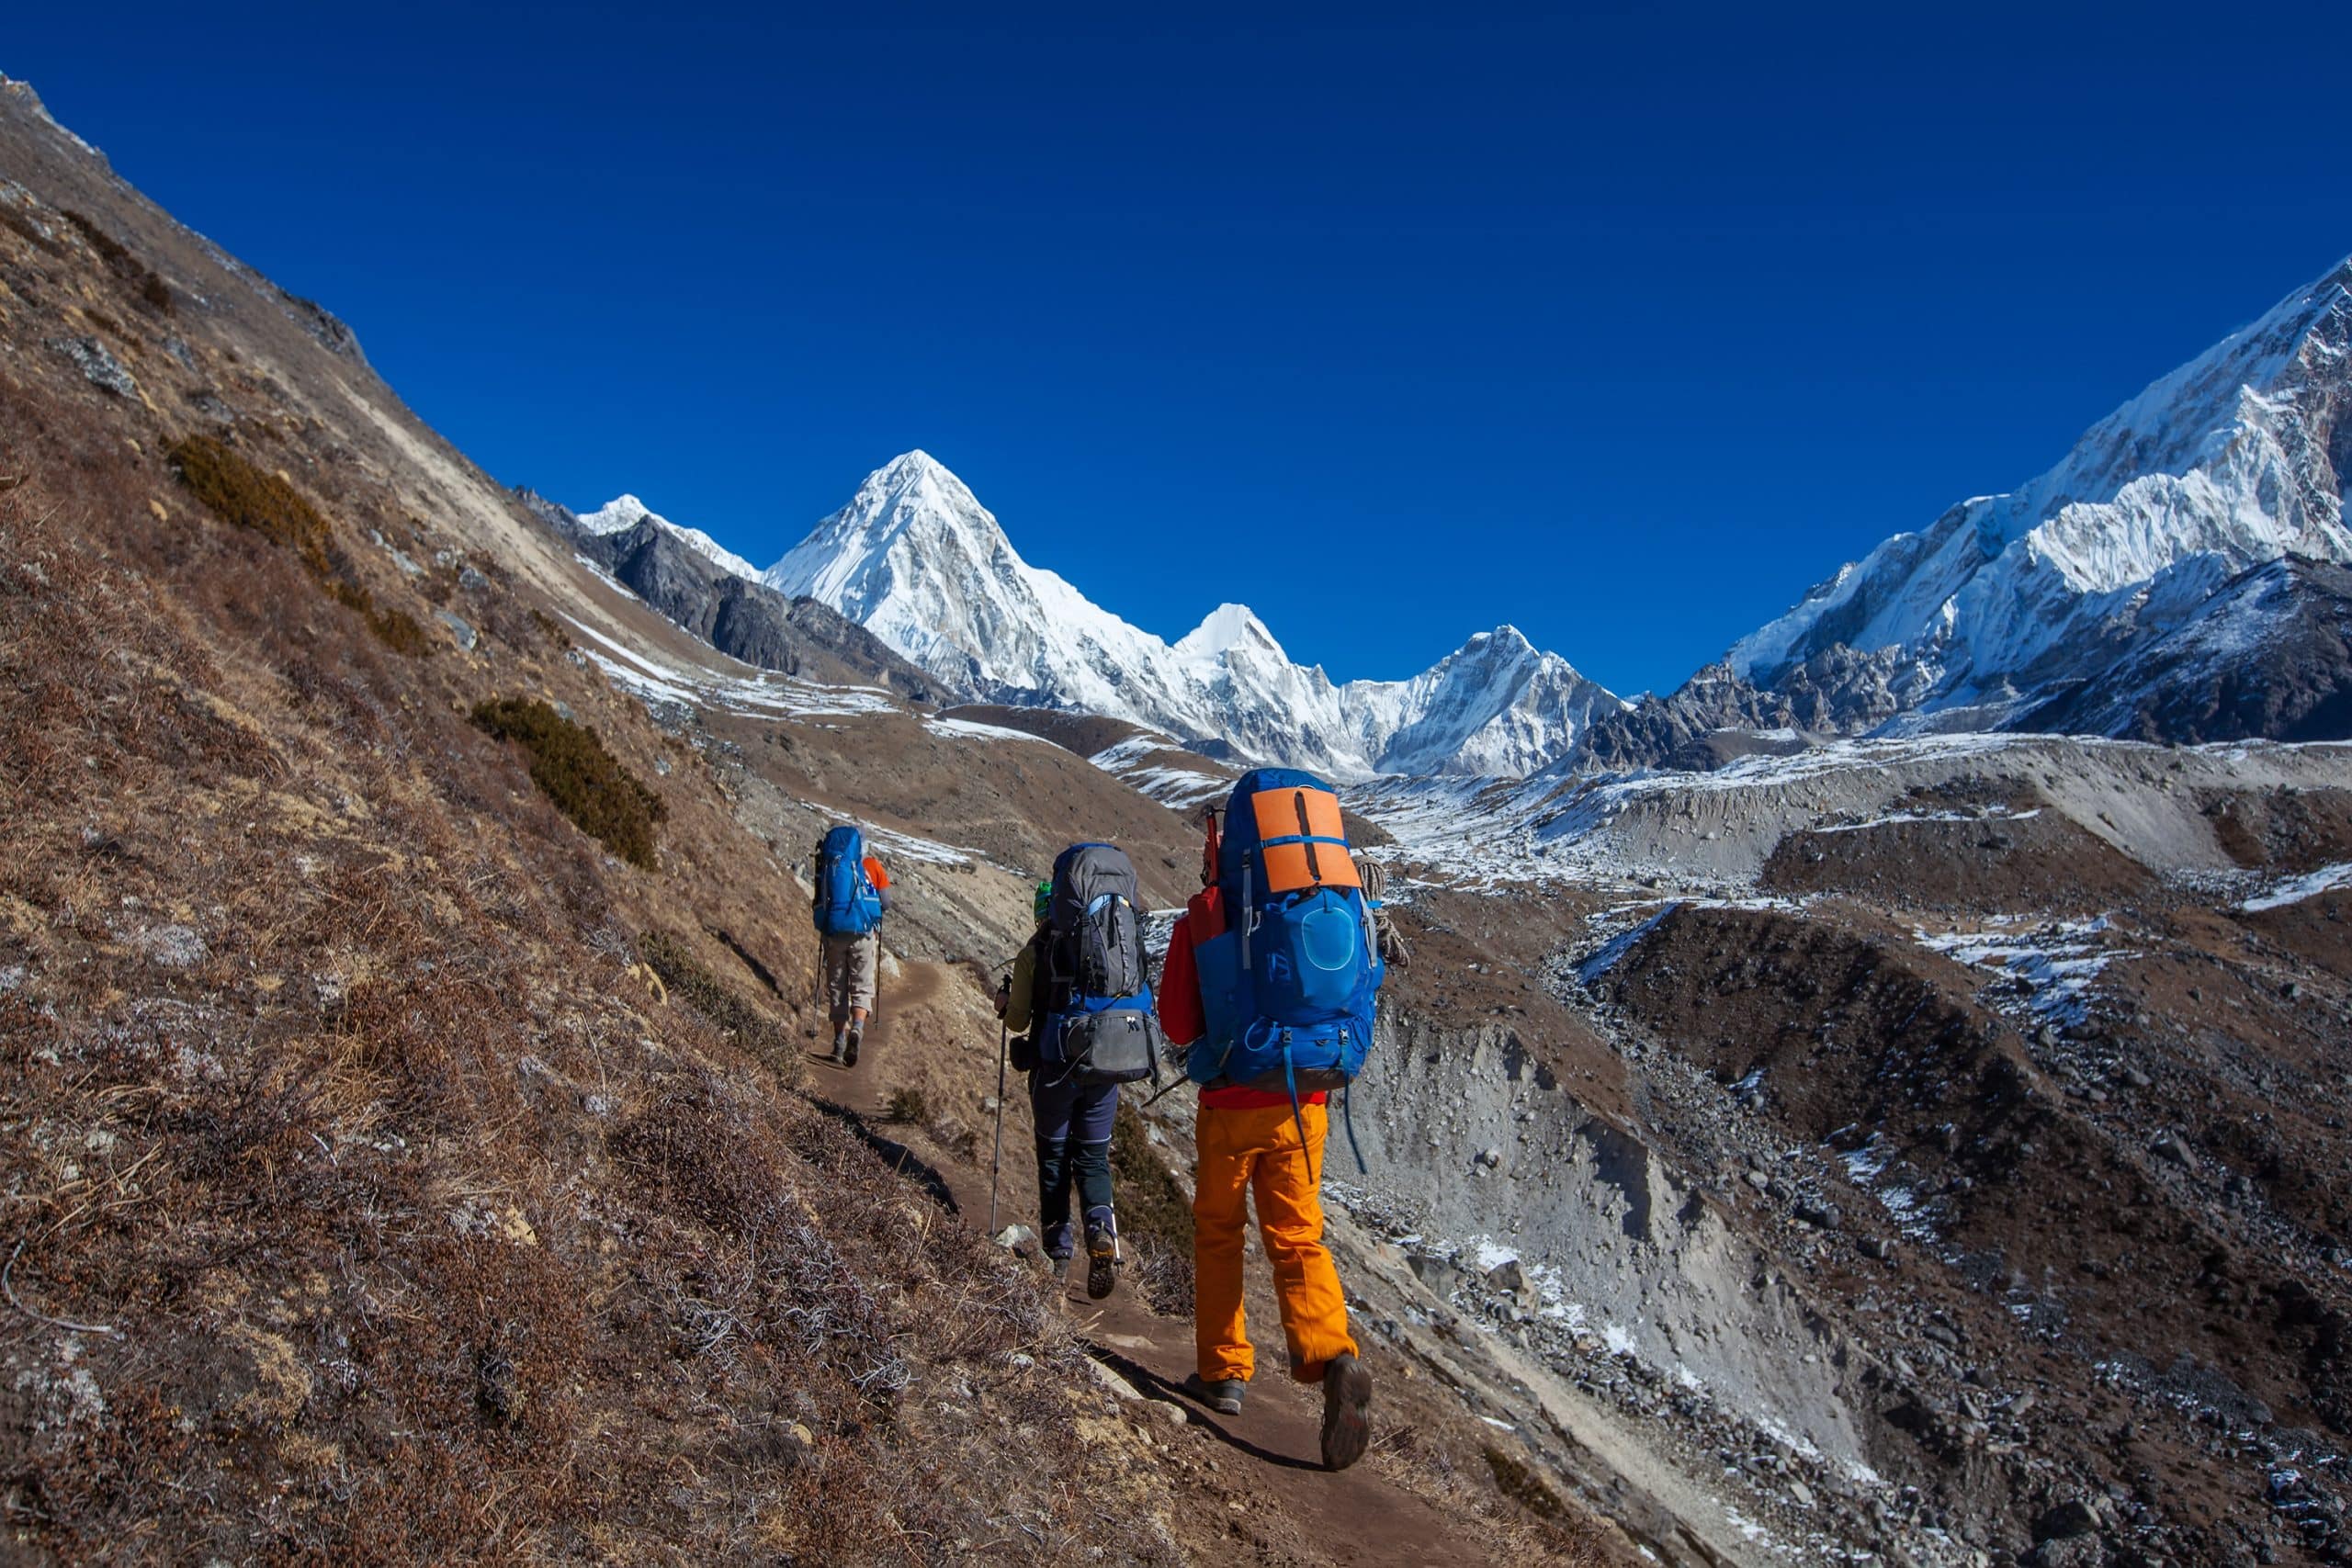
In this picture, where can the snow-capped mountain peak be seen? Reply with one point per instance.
(1226, 629)
(621, 512)
(626, 512)
(919, 562)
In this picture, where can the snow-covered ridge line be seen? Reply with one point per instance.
(916, 559)
(2215, 469)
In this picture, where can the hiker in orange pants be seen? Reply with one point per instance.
(1253, 1149)
(1249, 1142)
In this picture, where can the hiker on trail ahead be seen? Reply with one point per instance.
(1270, 978)
(1080, 995)
(852, 893)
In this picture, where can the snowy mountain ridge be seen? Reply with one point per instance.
(626, 512)
(2123, 592)
(919, 562)
(2235, 459)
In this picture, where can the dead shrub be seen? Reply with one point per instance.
(908, 1105)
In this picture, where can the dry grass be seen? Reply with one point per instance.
(240, 494)
(136, 274)
(747, 1024)
(412, 1227)
(1155, 1217)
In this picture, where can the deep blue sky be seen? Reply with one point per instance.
(1626, 327)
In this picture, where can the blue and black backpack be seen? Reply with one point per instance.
(1287, 990)
(1100, 1027)
(847, 903)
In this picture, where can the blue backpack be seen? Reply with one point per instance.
(847, 903)
(1287, 991)
(1100, 1025)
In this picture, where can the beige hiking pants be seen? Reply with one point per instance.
(849, 973)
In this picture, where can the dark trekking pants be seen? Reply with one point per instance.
(1073, 1150)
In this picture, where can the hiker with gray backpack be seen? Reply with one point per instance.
(1081, 998)
(852, 893)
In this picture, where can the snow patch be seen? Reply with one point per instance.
(2326, 879)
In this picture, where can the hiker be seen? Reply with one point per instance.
(1269, 979)
(1079, 996)
(853, 893)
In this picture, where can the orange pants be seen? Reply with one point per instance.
(1258, 1151)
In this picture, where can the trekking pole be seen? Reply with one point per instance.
(996, 1160)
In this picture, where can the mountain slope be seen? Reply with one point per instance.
(917, 559)
(2236, 459)
(682, 575)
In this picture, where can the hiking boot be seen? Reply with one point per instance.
(1059, 1245)
(1224, 1396)
(849, 1057)
(1347, 1404)
(841, 1043)
(1102, 1254)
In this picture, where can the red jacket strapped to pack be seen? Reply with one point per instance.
(1180, 1017)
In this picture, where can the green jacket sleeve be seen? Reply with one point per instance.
(1017, 1011)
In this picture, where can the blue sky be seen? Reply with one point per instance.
(1623, 325)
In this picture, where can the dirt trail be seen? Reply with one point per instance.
(1263, 1493)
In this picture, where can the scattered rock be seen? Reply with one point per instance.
(99, 367)
(1490, 1157)
(173, 947)
(1019, 1240)
(1508, 1276)
(2074, 1552)
(2169, 1146)
(2074, 1516)
(459, 629)
(1120, 1387)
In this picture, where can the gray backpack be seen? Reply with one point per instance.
(1100, 1026)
